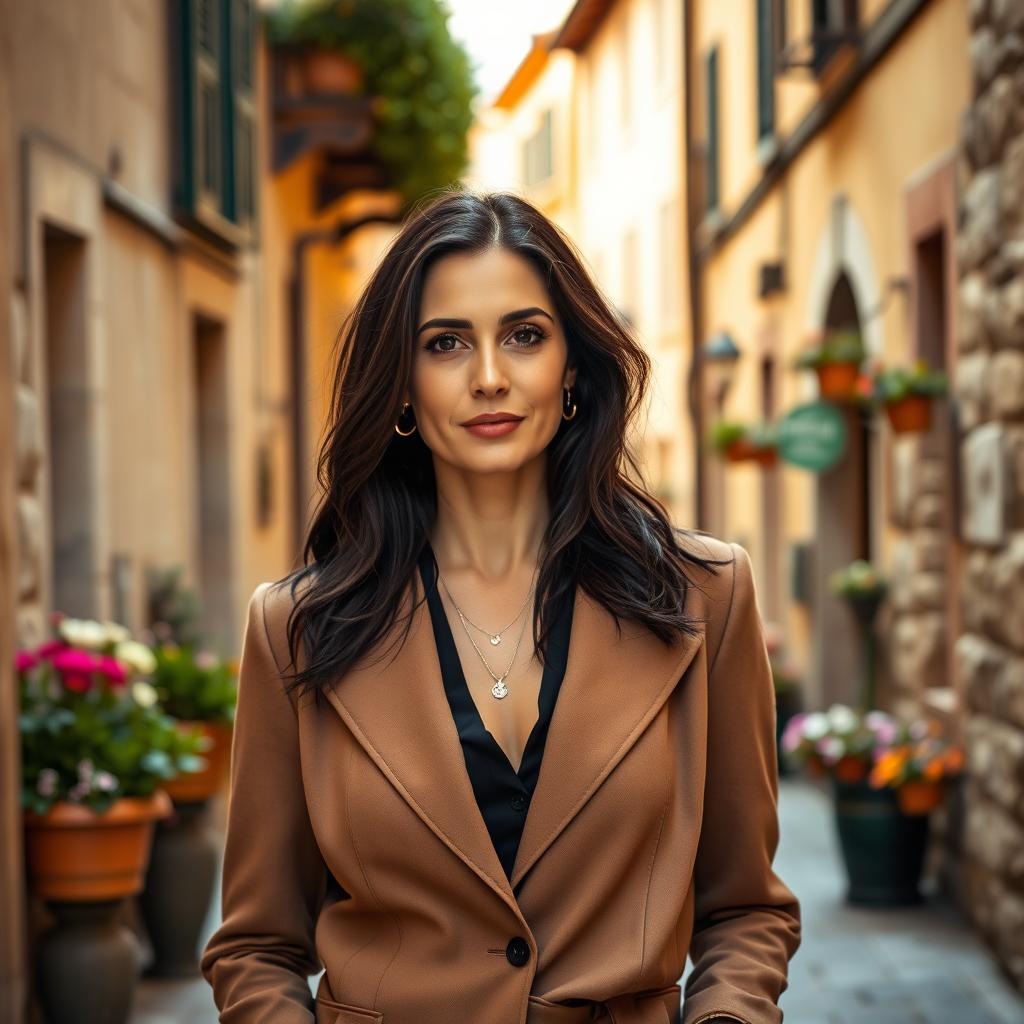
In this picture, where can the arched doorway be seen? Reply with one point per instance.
(843, 503)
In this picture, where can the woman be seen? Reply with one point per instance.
(462, 820)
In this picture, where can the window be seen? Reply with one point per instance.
(832, 22)
(538, 163)
(765, 68)
(214, 46)
(712, 142)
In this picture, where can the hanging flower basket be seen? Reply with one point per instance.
(75, 853)
(741, 442)
(835, 356)
(908, 395)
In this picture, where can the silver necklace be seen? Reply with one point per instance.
(499, 689)
(495, 638)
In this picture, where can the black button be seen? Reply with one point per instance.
(518, 802)
(517, 951)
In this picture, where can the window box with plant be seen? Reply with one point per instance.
(741, 442)
(908, 394)
(836, 357)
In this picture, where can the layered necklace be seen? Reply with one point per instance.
(499, 689)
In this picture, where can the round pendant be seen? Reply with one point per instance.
(496, 639)
(499, 689)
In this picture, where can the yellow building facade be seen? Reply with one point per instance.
(826, 148)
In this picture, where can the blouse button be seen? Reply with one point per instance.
(518, 802)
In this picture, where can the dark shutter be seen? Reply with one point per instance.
(765, 68)
(713, 155)
(215, 123)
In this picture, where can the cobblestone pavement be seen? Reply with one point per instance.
(910, 965)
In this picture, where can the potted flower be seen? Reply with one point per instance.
(740, 442)
(199, 690)
(907, 394)
(835, 356)
(886, 775)
(95, 749)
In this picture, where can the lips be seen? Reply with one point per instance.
(493, 417)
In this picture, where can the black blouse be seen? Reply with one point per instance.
(502, 794)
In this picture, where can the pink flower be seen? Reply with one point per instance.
(25, 660)
(76, 668)
(206, 660)
(50, 648)
(113, 670)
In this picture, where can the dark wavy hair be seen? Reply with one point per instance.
(606, 533)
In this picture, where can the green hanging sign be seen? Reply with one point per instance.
(812, 436)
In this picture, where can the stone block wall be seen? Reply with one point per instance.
(989, 385)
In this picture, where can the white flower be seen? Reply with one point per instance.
(137, 656)
(143, 693)
(116, 633)
(830, 747)
(84, 633)
(85, 768)
(46, 784)
(842, 718)
(105, 782)
(815, 725)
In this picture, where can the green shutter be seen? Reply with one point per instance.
(713, 142)
(765, 69)
(208, 169)
(216, 122)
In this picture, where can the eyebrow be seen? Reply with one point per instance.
(516, 314)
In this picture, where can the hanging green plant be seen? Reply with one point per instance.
(835, 346)
(895, 383)
(739, 442)
(420, 79)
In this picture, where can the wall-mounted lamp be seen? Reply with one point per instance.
(721, 354)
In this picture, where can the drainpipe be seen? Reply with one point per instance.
(298, 363)
(695, 376)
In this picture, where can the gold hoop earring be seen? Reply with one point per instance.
(566, 401)
(405, 433)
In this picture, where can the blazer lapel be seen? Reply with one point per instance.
(612, 688)
(397, 709)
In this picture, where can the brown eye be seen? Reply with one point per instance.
(432, 345)
(533, 332)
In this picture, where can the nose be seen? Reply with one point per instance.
(488, 375)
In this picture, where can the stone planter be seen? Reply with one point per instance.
(179, 885)
(883, 849)
(83, 864)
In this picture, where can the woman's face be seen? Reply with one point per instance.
(489, 341)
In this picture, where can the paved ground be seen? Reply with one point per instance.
(918, 965)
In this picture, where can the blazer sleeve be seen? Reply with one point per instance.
(259, 960)
(746, 921)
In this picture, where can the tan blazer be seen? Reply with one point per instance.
(354, 841)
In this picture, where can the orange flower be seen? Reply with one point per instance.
(933, 770)
(888, 766)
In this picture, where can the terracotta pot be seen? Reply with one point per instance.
(327, 72)
(912, 414)
(919, 796)
(850, 769)
(73, 853)
(742, 450)
(194, 787)
(838, 381)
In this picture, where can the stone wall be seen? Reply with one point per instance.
(990, 393)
